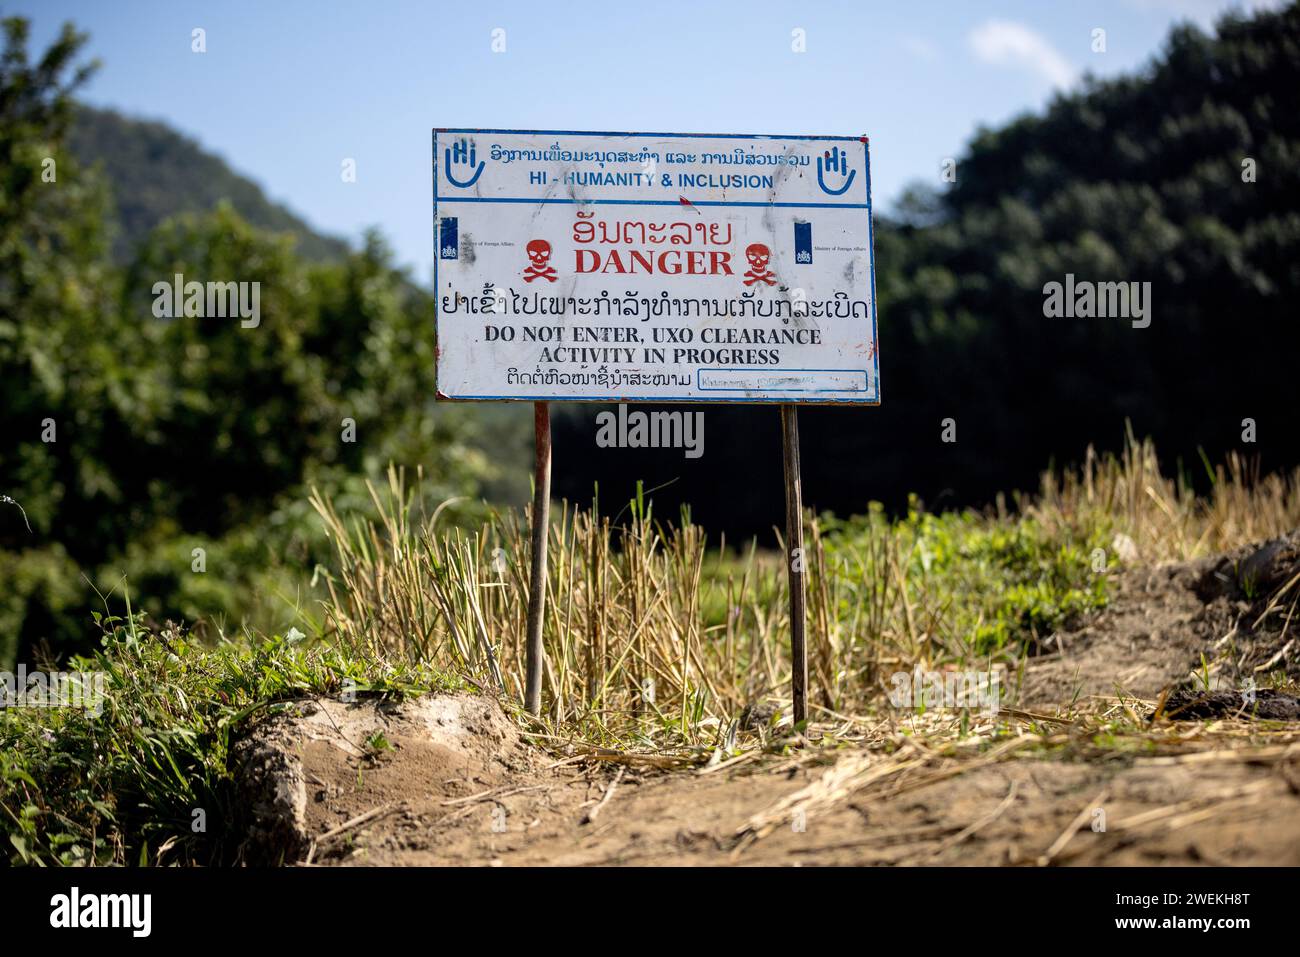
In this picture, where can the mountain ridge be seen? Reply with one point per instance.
(154, 172)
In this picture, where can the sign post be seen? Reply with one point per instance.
(655, 267)
(794, 558)
(537, 580)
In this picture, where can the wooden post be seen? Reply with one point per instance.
(795, 559)
(537, 581)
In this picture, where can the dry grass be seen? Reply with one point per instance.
(1164, 518)
(885, 759)
(655, 642)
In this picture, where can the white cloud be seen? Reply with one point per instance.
(1006, 43)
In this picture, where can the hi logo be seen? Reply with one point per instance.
(462, 159)
(836, 163)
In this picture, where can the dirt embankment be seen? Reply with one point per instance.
(1217, 625)
(448, 779)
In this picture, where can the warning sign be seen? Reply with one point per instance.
(654, 267)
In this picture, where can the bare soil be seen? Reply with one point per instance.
(448, 779)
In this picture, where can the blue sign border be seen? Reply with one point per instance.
(664, 400)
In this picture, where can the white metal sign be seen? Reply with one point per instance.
(654, 266)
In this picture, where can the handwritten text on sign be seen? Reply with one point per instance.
(654, 266)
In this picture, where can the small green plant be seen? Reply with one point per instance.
(1204, 676)
(121, 786)
(1248, 582)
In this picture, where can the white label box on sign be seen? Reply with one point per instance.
(655, 267)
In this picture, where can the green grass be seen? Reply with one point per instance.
(977, 586)
(132, 784)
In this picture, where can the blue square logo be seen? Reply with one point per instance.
(448, 238)
(802, 243)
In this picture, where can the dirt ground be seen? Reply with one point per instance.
(448, 780)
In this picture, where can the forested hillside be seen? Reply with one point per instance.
(1186, 176)
(154, 172)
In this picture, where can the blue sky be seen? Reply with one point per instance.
(287, 90)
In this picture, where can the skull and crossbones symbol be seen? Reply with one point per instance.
(759, 256)
(539, 251)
